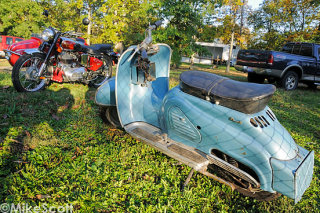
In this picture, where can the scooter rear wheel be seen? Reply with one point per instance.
(242, 186)
(110, 115)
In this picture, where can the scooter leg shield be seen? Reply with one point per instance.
(105, 95)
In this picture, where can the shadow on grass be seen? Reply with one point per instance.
(28, 120)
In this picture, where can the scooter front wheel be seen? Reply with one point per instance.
(109, 115)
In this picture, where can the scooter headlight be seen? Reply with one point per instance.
(47, 34)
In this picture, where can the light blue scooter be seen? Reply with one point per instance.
(219, 127)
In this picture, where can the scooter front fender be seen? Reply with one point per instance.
(105, 94)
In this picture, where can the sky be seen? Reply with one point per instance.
(254, 3)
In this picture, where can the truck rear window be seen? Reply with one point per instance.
(287, 48)
(306, 50)
(296, 49)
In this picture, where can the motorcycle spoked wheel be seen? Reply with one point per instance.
(109, 115)
(105, 72)
(24, 71)
(242, 186)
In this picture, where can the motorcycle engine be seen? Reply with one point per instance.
(73, 71)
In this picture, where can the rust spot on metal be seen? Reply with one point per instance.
(233, 120)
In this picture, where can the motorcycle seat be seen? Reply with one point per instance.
(94, 49)
(244, 97)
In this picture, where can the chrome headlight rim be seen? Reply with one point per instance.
(47, 34)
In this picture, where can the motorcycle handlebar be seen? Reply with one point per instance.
(72, 34)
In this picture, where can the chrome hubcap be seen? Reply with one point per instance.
(28, 75)
(291, 82)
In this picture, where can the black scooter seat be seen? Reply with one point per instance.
(93, 49)
(244, 97)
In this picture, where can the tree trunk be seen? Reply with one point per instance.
(89, 25)
(230, 52)
(119, 47)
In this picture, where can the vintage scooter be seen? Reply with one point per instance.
(219, 127)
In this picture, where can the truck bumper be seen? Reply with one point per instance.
(259, 71)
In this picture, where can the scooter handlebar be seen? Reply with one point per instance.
(142, 47)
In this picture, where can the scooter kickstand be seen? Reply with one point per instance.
(187, 180)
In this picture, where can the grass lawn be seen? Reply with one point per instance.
(55, 149)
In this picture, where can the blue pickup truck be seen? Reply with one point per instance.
(297, 62)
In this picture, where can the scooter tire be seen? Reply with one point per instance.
(109, 115)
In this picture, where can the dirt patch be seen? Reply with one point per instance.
(4, 65)
(5, 69)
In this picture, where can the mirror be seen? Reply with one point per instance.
(158, 23)
(45, 13)
(85, 21)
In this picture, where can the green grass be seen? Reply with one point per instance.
(4, 63)
(55, 149)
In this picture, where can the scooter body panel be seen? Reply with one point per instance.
(231, 132)
(139, 100)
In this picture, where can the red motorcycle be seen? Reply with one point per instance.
(63, 59)
(29, 46)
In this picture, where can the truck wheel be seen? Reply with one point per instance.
(289, 81)
(254, 78)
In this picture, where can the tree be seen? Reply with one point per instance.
(279, 21)
(184, 20)
(234, 9)
(20, 18)
(122, 21)
(91, 9)
(65, 15)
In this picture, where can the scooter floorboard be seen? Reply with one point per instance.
(155, 138)
(187, 155)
